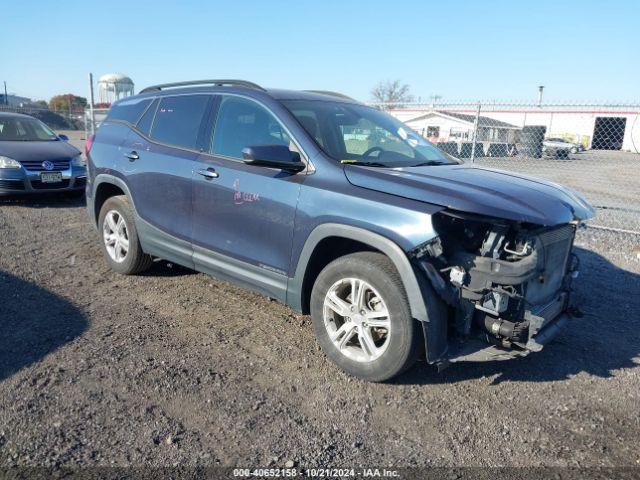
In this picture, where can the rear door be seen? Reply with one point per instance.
(243, 215)
(158, 160)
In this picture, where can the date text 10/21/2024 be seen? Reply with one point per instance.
(317, 472)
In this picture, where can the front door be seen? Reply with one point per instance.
(243, 215)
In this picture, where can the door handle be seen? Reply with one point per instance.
(209, 173)
(132, 155)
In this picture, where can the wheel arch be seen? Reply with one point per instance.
(299, 287)
(105, 187)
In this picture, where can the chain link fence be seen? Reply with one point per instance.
(592, 148)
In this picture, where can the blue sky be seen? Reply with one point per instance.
(462, 50)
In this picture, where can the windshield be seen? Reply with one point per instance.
(23, 129)
(352, 133)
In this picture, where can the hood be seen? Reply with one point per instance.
(478, 190)
(38, 151)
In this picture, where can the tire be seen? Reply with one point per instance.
(395, 347)
(132, 261)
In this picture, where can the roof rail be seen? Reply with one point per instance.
(217, 83)
(332, 94)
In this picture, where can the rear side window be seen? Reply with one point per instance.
(178, 120)
(144, 124)
(128, 110)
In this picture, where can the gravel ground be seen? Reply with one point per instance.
(174, 367)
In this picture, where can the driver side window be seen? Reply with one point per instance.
(365, 135)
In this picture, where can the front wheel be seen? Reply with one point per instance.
(120, 244)
(361, 317)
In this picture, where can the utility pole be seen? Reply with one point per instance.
(91, 113)
(474, 138)
(6, 98)
(540, 92)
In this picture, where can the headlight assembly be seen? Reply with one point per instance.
(6, 162)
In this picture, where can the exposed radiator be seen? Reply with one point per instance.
(553, 247)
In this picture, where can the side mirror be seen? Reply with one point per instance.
(63, 137)
(275, 156)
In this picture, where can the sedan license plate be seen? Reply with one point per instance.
(51, 177)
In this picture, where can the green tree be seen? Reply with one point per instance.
(68, 103)
(42, 102)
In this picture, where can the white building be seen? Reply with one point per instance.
(446, 126)
(597, 127)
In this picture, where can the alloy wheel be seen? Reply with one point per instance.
(115, 235)
(357, 319)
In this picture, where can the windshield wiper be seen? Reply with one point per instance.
(365, 164)
(430, 163)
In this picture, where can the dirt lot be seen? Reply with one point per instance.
(176, 367)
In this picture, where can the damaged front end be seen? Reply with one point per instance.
(506, 285)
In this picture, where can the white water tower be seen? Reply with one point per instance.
(114, 86)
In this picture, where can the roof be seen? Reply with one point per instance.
(275, 93)
(280, 94)
(468, 118)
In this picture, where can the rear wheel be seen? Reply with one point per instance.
(120, 244)
(362, 319)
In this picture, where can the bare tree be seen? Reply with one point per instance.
(392, 93)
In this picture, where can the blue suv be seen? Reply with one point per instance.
(396, 249)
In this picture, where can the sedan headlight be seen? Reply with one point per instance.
(6, 162)
(78, 161)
